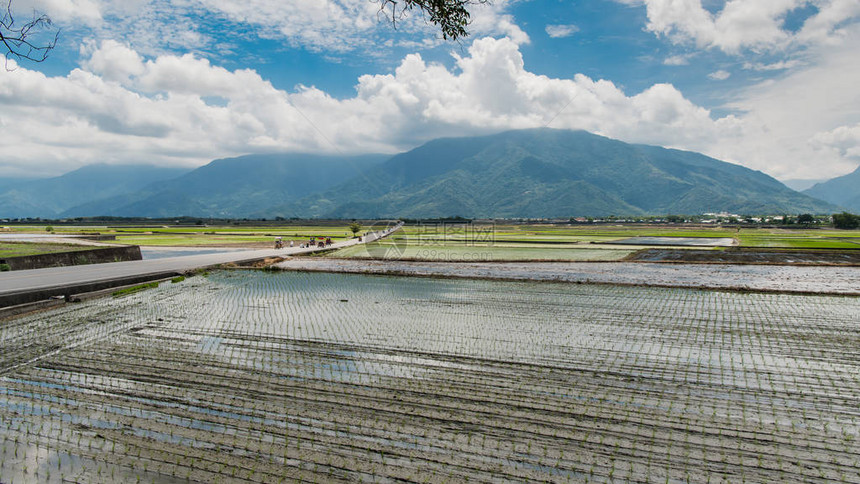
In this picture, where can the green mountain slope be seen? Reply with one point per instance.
(843, 191)
(551, 173)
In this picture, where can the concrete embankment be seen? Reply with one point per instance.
(74, 258)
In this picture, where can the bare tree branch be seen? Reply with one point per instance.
(17, 41)
(451, 16)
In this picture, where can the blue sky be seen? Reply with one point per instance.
(770, 85)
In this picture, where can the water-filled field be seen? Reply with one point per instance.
(284, 377)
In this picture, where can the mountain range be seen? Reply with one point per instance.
(843, 191)
(532, 173)
(233, 187)
(551, 173)
(50, 197)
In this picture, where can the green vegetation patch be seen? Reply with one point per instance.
(796, 241)
(134, 289)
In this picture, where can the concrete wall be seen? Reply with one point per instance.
(58, 259)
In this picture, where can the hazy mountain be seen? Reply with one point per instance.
(9, 183)
(843, 191)
(551, 173)
(801, 184)
(48, 197)
(234, 187)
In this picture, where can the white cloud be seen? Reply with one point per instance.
(784, 116)
(719, 75)
(119, 108)
(677, 60)
(747, 24)
(561, 31)
(320, 24)
(122, 107)
(775, 66)
(844, 141)
(88, 12)
(113, 61)
(491, 19)
(829, 25)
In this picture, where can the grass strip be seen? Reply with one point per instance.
(136, 289)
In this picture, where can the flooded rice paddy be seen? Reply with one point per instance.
(314, 377)
(771, 278)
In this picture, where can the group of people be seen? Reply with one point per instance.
(319, 242)
(313, 242)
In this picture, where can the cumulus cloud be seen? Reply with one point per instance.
(747, 24)
(844, 140)
(120, 107)
(493, 19)
(561, 31)
(112, 60)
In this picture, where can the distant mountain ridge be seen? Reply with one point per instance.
(551, 173)
(49, 197)
(233, 187)
(535, 173)
(843, 191)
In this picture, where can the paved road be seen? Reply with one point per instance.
(17, 287)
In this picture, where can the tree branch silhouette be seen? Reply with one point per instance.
(451, 16)
(23, 41)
